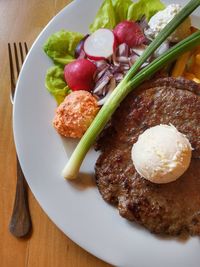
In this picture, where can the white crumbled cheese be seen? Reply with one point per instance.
(162, 18)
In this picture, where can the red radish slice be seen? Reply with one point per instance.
(129, 32)
(100, 44)
(79, 74)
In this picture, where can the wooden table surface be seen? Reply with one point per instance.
(22, 20)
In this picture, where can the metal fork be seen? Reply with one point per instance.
(20, 223)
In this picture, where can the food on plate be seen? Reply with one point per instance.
(162, 18)
(162, 49)
(180, 65)
(55, 83)
(60, 46)
(100, 44)
(98, 61)
(79, 51)
(65, 46)
(145, 8)
(75, 114)
(79, 74)
(161, 154)
(131, 81)
(171, 208)
(153, 138)
(193, 66)
(130, 33)
(188, 65)
(112, 12)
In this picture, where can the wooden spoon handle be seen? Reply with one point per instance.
(20, 223)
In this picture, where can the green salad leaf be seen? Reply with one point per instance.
(105, 17)
(121, 9)
(61, 45)
(144, 7)
(112, 12)
(55, 83)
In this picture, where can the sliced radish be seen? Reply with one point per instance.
(129, 32)
(100, 44)
(79, 74)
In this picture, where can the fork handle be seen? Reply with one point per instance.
(20, 223)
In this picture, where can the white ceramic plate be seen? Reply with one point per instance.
(77, 208)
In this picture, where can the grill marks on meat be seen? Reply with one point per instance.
(171, 208)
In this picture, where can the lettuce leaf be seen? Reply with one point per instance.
(60, 46)
(112, 12)
(105, 17)
(144, 7)
(121, 9)
(56, 84)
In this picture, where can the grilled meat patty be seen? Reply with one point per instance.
(172, 208)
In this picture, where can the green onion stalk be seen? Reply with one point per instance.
(131, 81)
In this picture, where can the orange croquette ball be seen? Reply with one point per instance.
(75, 114)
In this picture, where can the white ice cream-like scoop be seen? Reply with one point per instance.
(161, 154)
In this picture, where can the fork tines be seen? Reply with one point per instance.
(17, 54)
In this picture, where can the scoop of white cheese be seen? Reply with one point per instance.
(162, 18)
(161, 154)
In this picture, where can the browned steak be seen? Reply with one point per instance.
(172, 208)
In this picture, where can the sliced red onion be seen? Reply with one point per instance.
(82, 54)
(98, 90)
(143, 23)
(114, 60)
(100, 73)
(161, 49)
(100, 63)
(122, 50)
(139, 50)
(144, 64)
(122, 59)
(102, 82)
(115, 69)
(79, 47)
(111, 86)
(125, 67)
(132, 59)
(118, 77)
(111, 71)
(104, 91)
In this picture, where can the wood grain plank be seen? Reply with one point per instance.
(22, 20)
